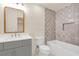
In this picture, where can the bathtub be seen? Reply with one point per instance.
(59, 48)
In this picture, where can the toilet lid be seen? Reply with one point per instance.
(44, 47)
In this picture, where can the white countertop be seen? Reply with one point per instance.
(10, 39)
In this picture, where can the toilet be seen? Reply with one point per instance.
(44, 50)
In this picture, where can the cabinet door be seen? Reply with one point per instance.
(1, 46)
(24, 51)
(8, 53)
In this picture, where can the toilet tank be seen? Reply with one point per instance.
(40, 40)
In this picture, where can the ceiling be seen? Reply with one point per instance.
(54, 6)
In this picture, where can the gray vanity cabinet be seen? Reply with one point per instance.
(23, 51)
(17, 48)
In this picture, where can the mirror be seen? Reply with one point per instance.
(13, 20)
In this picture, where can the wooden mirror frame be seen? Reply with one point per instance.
(5, 20)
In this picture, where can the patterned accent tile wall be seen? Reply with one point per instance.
(49, 24)
(69, 14)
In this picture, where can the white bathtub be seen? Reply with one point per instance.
(59, 48)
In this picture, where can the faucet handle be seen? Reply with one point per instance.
(12, 35)
(18, 35)
(15, 35)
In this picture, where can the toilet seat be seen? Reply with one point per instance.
(44, 47)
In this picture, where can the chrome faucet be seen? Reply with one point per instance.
(14, 35)
(17, 35)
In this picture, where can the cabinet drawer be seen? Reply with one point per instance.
(14, 44)
(27, 42)
(1, 46)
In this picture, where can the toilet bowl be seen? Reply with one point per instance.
(44, 50)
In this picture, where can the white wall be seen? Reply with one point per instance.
(0, 19)
(34, 21)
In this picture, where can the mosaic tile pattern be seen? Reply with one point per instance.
(49, 25)
(71, 32)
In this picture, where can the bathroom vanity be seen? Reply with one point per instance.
(16, 47)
